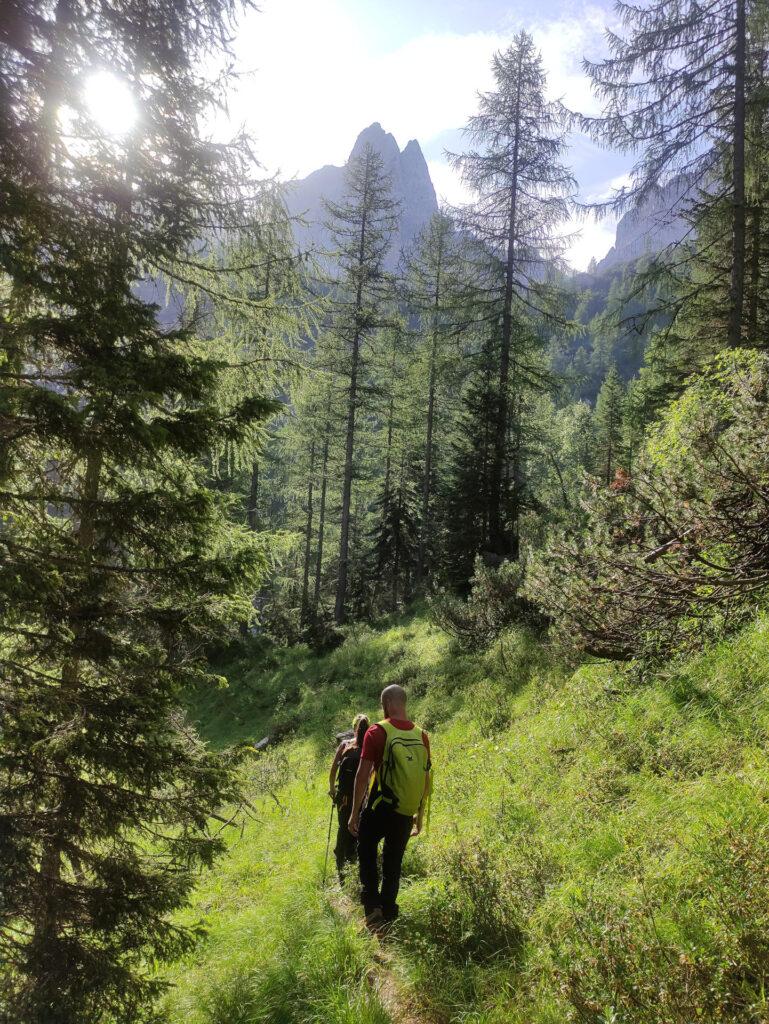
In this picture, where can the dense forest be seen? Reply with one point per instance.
(563, 473)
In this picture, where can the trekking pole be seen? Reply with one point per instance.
(328, 844)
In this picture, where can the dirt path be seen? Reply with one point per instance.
(381, 977)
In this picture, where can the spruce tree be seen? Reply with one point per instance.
(393, 533)
(119, 564)
(436, 292)
(395, 537)
(361, 226)
(465, 501)
(609, 410)
(523, 194)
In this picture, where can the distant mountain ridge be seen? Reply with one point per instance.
(411, 186)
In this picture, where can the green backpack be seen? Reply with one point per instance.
(400, 781)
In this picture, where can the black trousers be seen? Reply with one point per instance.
(377, 824)
(344, 851)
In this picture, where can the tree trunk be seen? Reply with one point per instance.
(352, 401)
(390, 418)
(344, 538)
(396, 562)
(497, 538)
(321, 525)
(307, 544)
(755, 276)
(424, 526)
(253, 498)
(516, 475)
(737, 290)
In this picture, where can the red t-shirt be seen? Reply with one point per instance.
(375, 739)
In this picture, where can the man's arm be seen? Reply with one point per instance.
(420, 813)
(362, 776)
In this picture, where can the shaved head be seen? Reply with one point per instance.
(393, 699)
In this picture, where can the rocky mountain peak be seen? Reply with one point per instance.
(380, 140)
(411, 187)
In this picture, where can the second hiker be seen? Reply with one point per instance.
(340, 787)
(398, 752)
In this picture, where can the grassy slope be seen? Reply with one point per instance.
(598, 849)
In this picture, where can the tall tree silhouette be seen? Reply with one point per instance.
(119, 563)
(438, 292)
(523, 191)
(676, 90)
(361, 225)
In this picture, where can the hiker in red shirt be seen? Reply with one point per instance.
(398, 752)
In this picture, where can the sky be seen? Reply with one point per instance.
(314, 73)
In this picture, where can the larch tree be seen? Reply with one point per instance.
(676, 89)
(327, 439)
(436, 292)
(393, 531)
(361, 227)
(120, 564)
(523, 193)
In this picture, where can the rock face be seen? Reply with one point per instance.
(411, 186)
(647, 229)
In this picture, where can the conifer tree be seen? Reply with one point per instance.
(395, 537)
(523, 193)
(436, 291)
(466, 497)
(326, 433)
(609, 410)
(676, 88)
(393, 532)
(119, 563)
(361, 226)
(705, 282)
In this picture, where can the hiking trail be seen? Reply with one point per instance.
(381, 977)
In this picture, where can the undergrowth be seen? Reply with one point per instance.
(598, 850)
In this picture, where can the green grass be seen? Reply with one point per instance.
(598, 851)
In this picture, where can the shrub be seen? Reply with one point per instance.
(678, 553)
(472, 913)
(496, 602)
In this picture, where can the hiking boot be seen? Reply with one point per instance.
(389, 914)
(374, 920)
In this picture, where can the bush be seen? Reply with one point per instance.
(677, 554)
(472, 912)
(496, 602)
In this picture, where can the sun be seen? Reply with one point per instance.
(110, 103)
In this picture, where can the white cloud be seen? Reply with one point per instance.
(317, 81)
(591, 240)
(563, 43)
(316, 85)
(608, 189)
